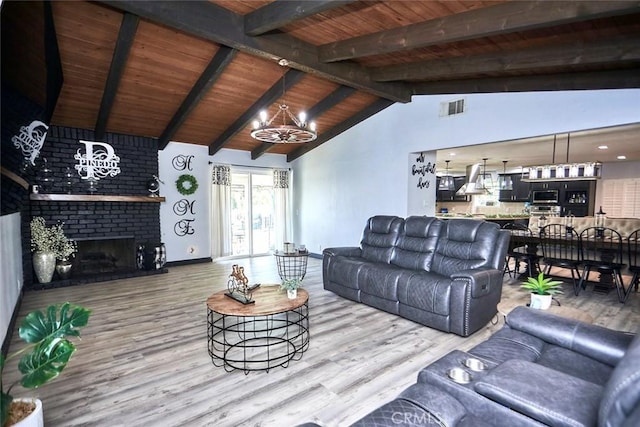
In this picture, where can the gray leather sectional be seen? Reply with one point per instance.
(539, 369)
(443, 274)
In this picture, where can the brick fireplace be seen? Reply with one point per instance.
(108, 231)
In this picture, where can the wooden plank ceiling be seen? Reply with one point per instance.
(199, 72)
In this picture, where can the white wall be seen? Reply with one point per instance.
(196, 244)
(363, 172)
(11, 269)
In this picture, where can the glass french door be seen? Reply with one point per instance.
(252, 213)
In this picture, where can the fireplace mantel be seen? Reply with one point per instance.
(94, 198)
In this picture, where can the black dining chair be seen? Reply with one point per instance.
(560, 248)
(633, 252)
(601, 250)
(522, 248)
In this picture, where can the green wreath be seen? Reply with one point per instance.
(190, 187)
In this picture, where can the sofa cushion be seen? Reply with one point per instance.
(417, 243)
(575, 364)
(345, 270)
(622, 392)
(507, 344)
(382, 280)
(379, 238)
(426, 291)
(465, 244)
(546, 395)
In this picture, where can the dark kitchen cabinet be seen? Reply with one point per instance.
(450, 195)
(577, 198)
(520, 192)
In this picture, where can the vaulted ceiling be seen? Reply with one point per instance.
(199, 72)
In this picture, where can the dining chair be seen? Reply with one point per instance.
(601, 250)
(522, 248)
(560, 248)
(633, 252)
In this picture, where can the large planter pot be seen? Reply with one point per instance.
(541, 302)
(35, 419)
(44, 264)
(63, 268)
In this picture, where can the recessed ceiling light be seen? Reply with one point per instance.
(602, 147)
(452, 154)
(622, 157)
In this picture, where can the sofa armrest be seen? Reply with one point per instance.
(482, 281)
(605, 345)
(548, 396)
(350, 251)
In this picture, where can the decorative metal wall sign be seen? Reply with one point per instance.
(30, 140)
(182, 162)
(99, 161)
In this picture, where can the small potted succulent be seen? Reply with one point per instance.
(542, 290)
(291, 286)
(46, 355)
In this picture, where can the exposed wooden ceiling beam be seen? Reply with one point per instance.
(212, 22)
(209, 76)
(280, 13)
(55, 76)
(578, 53)
(500, 19)
(372, 109)
(127, 33)
(616, 79)
(333, 99)
(290, 79)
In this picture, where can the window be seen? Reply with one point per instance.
(452, 108)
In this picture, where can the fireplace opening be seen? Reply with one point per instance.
(105, 255)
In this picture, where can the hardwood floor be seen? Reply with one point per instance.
(143, 357)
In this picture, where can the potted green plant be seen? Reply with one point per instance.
(46, 355)
(542, 290)
(291, 286)
(48, 245)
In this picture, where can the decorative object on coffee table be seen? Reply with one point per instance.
(291, 286)
(542, 290)
(238, 286)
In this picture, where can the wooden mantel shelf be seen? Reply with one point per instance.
(94, 198)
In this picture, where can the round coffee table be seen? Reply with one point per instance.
(260, 336)
(505, 307)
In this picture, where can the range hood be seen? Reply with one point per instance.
(470, 185)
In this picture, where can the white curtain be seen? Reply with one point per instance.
(220, 211)
(281, 180)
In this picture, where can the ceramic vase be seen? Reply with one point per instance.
(541, 302)
(292, 293)
(63, 268)
(44, 264)
(34, 419)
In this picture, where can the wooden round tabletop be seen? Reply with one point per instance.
(269, 299)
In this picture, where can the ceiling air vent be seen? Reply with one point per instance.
(451, 108)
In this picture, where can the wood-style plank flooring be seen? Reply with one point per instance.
(143, 357)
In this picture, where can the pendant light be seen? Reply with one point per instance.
(483, 182)
(505, 182)
(446, 181)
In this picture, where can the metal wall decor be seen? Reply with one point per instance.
(238, 286)
(98, 161)
(30, 140)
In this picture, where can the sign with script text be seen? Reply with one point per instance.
(98, 161)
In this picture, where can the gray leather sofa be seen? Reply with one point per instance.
(443, 274)
(540, 369)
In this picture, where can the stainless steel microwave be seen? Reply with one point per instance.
(544, 197)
